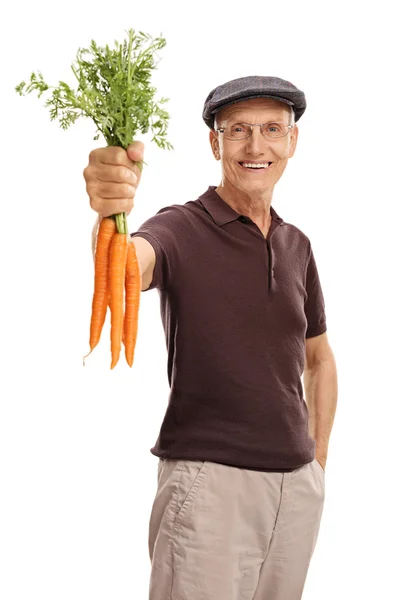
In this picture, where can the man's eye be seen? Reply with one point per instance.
(274, 128)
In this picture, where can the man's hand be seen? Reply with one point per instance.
(112, 177)
(322, 462)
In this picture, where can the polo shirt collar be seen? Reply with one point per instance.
(221, 212)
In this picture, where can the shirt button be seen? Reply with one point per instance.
(242, 219)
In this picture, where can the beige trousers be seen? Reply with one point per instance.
(222, 533)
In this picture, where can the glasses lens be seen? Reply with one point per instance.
(274, 130)
(238, 131)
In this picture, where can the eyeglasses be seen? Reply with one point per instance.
(241, 131)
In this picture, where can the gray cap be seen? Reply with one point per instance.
(253, 86)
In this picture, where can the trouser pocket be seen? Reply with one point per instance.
(160, 468)
(190, 477)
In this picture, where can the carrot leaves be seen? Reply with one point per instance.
(113, 89)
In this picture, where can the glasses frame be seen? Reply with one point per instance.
(260, 125)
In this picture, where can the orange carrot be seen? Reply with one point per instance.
(118, 254)
(107, 229)
(132, 301)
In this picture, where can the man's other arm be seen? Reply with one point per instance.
(321, 389)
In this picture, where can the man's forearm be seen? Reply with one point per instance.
(321, 389)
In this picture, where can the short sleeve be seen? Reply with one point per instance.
(162, 232)
(314, 305)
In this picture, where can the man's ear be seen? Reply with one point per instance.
(214, 144)
(293, 140)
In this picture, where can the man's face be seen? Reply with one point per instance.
(256, 148)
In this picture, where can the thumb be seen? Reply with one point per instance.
(135, 151)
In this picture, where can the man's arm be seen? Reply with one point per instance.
(321, 389)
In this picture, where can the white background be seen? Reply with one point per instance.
(77, 478)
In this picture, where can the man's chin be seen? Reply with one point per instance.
(254, 187)
(245, 187)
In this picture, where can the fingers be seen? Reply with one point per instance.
(112, 177)
(116, 155)
(115, 174)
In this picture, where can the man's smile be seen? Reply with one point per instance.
(255, 166)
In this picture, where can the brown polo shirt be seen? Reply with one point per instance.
(236, 309)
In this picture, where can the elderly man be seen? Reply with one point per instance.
(241, 472)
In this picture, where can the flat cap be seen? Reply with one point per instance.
(253, 86)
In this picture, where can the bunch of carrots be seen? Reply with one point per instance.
(116, 271)
(115, 91)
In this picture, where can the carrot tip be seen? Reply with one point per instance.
(86, 355)
(129, 359)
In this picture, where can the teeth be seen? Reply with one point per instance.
(256, 166)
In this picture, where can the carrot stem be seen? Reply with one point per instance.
(121, 222)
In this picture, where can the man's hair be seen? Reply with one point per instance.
(291, 117)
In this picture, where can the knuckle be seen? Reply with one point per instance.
(123, 174)
(127, 190)
(130, 176)
(90, 187)
(95, 204)
(89, 175)
(119, 155)
(86, 173)
(124, 205)
(92, 155)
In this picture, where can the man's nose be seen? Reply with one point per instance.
(256, 142)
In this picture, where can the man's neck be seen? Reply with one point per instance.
(258, 209)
